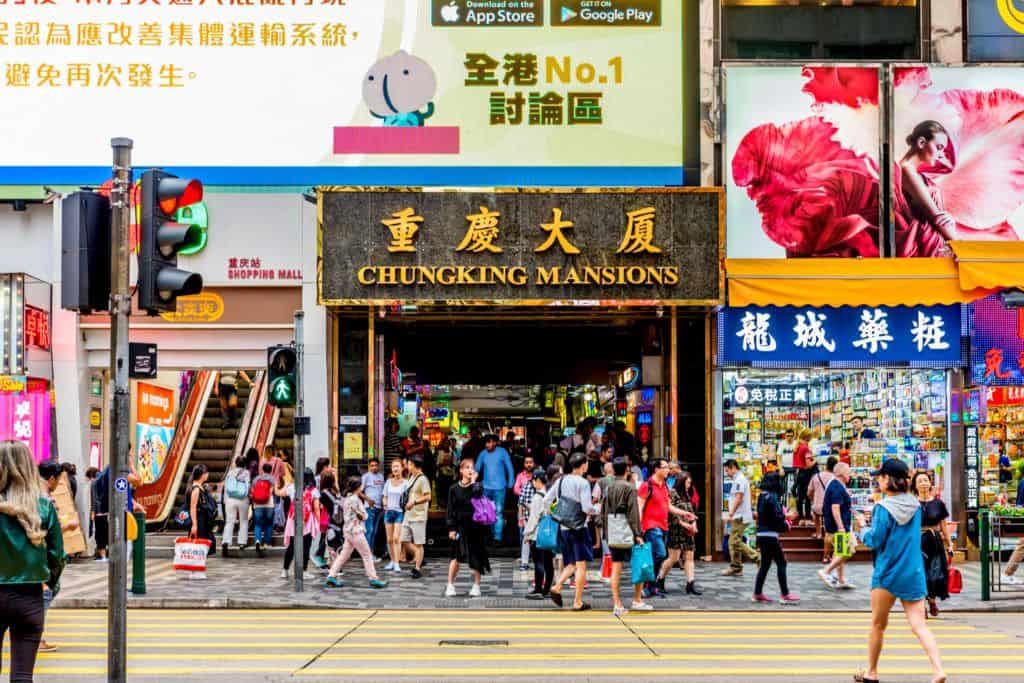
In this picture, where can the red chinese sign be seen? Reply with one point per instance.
(37, 328)
(1005, 396)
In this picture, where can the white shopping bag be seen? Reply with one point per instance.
(190, 554)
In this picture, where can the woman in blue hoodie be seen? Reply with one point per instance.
(895, 538)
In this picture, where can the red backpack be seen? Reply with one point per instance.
(261, 491)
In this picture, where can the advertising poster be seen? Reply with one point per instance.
(801, 162)
(958, 151)
(154, 429)
(25, 417)
(997, 343)
(378, 92)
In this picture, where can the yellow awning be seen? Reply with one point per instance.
(847, 282)
(990, 264)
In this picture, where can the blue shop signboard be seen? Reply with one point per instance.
(845, 334)
(995, 31)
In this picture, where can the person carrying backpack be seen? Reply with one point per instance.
(262, 496)
(771, 521)
(235, 497)
(354, 532)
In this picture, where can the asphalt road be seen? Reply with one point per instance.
(381, 645)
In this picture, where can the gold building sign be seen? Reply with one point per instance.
(521, 246)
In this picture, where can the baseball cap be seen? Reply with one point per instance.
(893, 468)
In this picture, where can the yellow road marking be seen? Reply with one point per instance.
(526, 657)
(538, 671)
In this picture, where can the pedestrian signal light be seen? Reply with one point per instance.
(162, 238)
(282, 376)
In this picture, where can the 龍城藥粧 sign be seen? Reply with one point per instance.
(846, 334)
(526, 247)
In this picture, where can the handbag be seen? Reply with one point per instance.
(484, 511)
(190, 554)
(620, 534)
(956, 579)
(568, 512)
(641, 564)
(547, 534)
(841, 545)
(408, 490)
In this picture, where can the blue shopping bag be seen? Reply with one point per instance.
(547, 534)
(641, 565)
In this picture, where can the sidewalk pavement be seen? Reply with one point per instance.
(256, 583)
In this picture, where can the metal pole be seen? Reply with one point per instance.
(985, 532)
(300, 457)
(120, 309)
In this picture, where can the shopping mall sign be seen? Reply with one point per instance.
(551, 247)
(846, 334)
(404, 92)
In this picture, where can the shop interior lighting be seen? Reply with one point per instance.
(1012, 298)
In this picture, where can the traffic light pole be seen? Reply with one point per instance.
(300, 457)
(120, 309)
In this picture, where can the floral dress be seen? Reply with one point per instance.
(677, 536)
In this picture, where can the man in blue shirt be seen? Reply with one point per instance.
(495, 467)
(837, 511)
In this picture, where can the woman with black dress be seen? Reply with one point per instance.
(468, 538)
(935, 541)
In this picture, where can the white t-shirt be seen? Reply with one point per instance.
(785, 451)
(743, 511)
(393, 494)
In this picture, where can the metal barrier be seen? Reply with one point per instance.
(1001, 535)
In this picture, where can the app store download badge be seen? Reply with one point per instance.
(606, 13)
(487, 13)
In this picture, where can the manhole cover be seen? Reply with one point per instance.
(473, 643)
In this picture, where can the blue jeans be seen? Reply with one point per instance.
(263, 518)
(656, 539)
(497, 496)
(373, 517)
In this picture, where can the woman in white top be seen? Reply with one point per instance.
(235, 493)
(394, 487)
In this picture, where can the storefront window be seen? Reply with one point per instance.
(820, 29)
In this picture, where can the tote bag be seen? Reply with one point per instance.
(547, 534)
(620, 535)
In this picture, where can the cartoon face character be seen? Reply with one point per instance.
(397, 87)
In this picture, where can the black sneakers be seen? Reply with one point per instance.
(416, 573)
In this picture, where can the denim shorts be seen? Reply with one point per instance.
(393, 516)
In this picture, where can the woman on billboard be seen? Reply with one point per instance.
(923, 226)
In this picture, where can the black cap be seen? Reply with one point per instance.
(893, 468)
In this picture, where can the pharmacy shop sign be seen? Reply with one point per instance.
(845, 334)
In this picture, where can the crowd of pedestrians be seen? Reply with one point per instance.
(588, 504)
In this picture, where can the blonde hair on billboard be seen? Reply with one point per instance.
(20, 490)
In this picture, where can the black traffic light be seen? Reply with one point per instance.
(85, 252)
(161, 238)
(282, 376)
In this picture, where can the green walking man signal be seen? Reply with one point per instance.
(282, 376)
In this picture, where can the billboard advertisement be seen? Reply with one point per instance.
(388, 92)
(154, 429)
(958, 153)
(997, 343)
(801, 161)
(994, 31)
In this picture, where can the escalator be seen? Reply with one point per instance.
(216, 445)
